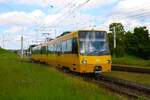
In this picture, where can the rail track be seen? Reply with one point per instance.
(130, 89)
(127, 88)
(130, 69)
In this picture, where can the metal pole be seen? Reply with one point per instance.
(55, 33)
(22, 47)
(3, 41)
(114, 31)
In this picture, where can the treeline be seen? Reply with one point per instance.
(136, 43)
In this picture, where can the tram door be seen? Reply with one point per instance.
(75, 56)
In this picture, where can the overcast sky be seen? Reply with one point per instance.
(31, 18)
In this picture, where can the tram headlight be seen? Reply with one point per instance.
(108, 61)
(84, 62)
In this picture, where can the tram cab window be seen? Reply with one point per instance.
(93, 43)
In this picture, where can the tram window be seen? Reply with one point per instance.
(33, 50)
(36, 50)
(43, 49)
(74, 46)
(69, 46)
(53, 51)
(64, 46)
(55, 48)
(58, 47)
(39, 50)
(50, 49)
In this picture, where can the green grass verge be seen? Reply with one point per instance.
(20, 80)
(133, 61)
(134, 77)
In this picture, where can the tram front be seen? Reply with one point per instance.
(94, 52)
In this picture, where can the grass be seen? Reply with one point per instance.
(134, 77)
(20, 80)
(132, 61)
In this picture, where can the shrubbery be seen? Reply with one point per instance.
(136, 43)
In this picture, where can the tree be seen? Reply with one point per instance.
(118, 29)
(141, 42)
(110, 39)
(129, 43)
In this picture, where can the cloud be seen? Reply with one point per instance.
(41, 3)
(133, 5)
(15, 29)
(99, 3)
(128, 8)
(131, 13)
(61, 3)
(26, 2)
(3, 1)
(20, 18)
(122, 11)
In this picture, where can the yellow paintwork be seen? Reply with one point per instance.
(36, 57)
(74, 61)
(93, 61)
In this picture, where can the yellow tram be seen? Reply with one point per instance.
(83, 51)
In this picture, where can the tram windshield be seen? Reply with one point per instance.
(93, 43)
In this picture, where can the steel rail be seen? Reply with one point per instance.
(129, 88)
(130, 69)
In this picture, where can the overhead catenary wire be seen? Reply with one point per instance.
(134, 13)
(144, 13)
(70, 11)
(68, 6)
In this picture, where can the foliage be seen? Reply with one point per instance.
(111, 43)
(136, 43)
(118, 30)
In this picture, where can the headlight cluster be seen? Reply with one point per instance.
(108, 61)
(84, 61)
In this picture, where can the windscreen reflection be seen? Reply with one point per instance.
(93, 43)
